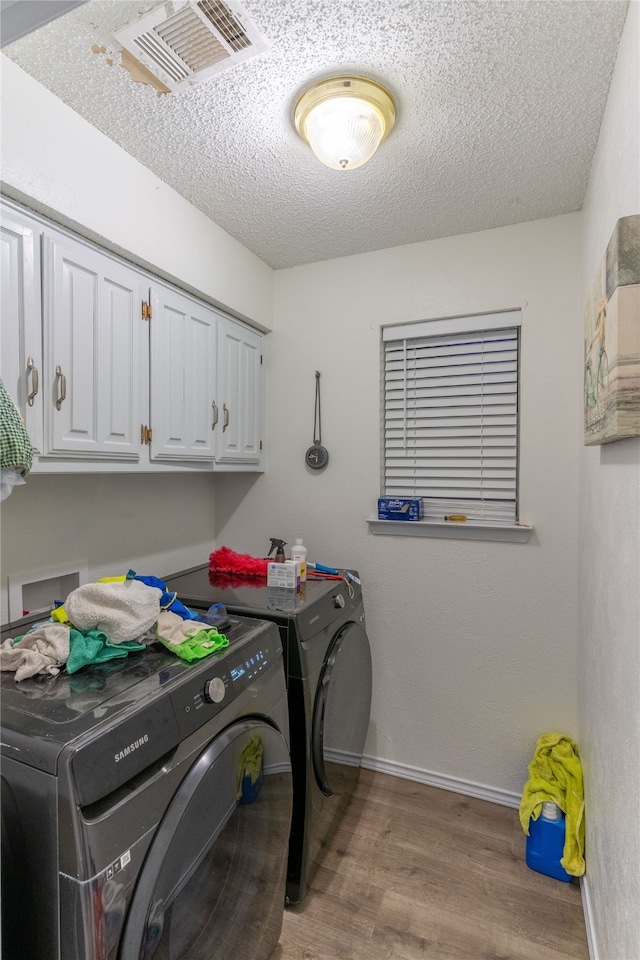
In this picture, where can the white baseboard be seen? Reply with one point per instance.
(588, 919)
(467, 787)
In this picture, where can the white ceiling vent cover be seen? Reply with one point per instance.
(187, 41)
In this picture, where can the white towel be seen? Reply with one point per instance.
(44, 650)
(173, 629)
(124, 610)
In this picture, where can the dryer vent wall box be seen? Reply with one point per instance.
(39, 590)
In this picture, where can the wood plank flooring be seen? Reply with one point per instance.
(417, 872)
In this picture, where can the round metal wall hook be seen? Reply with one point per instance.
(317, 456)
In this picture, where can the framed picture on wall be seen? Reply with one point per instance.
(612, 341)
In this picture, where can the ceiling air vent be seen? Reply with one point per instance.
(186, 41)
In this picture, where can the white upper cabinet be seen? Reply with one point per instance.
(21, 363)
(93, 331)
(183, 376)
(115, 370)
(240, 394)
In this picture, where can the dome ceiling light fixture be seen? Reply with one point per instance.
(344, 120)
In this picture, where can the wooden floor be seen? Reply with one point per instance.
(417, 872)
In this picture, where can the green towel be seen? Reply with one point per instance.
(201, 644)
(15, 446)
(555, 774)
(94, 646)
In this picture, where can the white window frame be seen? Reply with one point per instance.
(480, 476)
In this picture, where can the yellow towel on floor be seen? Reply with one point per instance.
(555, 774)
(250, 763)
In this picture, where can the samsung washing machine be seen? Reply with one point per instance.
(147, 805)
(328, 664)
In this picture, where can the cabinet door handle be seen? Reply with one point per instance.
(62, 381)
(34, 380)
(225, 410)
(215, 414)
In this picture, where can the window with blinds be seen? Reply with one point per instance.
(451, 415)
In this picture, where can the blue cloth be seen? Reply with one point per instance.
(169, 599)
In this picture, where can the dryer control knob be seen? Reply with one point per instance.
(214, 690)
(338, 601)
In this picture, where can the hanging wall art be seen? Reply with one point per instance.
(612, 341)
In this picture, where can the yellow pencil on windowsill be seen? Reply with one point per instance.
(456, 517)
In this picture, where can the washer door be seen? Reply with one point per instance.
(341, 711)
(212, 884)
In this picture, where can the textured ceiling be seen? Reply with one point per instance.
(498, 111)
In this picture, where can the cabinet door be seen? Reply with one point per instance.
(240, 394)
(21, 365)
(182, 377)
(93, 333)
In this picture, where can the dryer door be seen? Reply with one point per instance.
(341, 711)
(212, 884)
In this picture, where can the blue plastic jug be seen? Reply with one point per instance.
(545, 843)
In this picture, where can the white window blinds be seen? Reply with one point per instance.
(451, 415)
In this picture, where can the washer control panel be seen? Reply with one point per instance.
(214, 690)
(214, 682)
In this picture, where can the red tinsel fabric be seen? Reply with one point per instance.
(227, 561)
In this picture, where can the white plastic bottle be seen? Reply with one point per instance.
(299, 552)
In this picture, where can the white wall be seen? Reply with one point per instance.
(609, 568)
(474, 643)
(55, 161)
(116, 522)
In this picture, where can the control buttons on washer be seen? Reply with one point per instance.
(338, 601)
(214, 690)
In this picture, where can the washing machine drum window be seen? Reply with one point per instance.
(341, 711)
(212, 885)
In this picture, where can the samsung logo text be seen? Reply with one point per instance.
(132, 746)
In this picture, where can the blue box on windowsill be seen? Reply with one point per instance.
(399, 508)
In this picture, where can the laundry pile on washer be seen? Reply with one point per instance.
(108, 620)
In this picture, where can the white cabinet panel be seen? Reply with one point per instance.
(122, 361)
(100, 388)
(21, 356)
(240, 394)
(92, 334)
(183, 377)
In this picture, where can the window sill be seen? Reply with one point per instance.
(452, 530)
